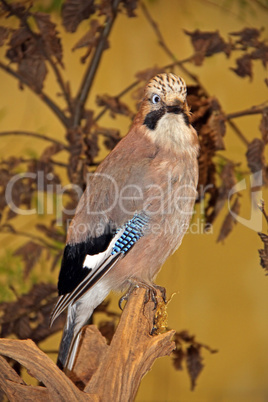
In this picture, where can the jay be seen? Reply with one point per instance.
(134, 212)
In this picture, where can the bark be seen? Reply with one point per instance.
(102, 372)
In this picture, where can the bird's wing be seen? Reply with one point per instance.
(98, 265)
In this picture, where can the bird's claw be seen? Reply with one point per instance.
(151, 293)
(125, 297)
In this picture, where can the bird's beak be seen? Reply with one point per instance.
(174, 105)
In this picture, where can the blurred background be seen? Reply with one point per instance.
(220, 289)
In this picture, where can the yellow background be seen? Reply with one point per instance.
(222, 292)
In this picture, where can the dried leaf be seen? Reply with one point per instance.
(92, 148)
(247, 37)
(208, 120)
(30, 253)
(148, 73)
(255, 155)
(34, 72)
(228, 180)
(130, 6)
(25, 50)
(189, 350)
(28, 317)
(22, 45)
(89, 39)
(111, 141)
(178, 356)
(114, 105)
(229, 221)
(194, 363)
(4, 33)
(261, 53)
(50, 151)
(105, 8)
(50, 35)
(16, 7)
(22, 328)
(75, 11)
(244, 66)
(51, 232)
(48, 177)
(264, 126)
(21, 192)
(112, 136)
(263, 253)
(215, 127)
(206, 44)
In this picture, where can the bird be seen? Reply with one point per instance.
(134, 212)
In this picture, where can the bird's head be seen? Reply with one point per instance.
(164, 111)
(164, 94)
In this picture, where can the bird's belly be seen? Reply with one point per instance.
(169, 220)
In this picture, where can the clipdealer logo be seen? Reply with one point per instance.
(254, 188)
(126, 195)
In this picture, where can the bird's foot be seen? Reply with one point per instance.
(151, 292)
(126, 296)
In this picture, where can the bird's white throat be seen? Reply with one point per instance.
(172, 133)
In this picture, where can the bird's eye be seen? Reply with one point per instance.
(156, 98)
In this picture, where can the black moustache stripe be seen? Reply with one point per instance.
(153, 117)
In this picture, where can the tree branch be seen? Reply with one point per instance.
(92, 68)
(11, 229)
(238, 132)
(157, 31)
(58, 386)
(246, 112)
(122, 93)
(35, 135)
(45, 98)
(162, 43)
(131, 353)
(125, 361)
(61, 83)
(22, 17)
(261, 5)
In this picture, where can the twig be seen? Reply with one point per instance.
(122, 93)
(261, 5)
(238, 132)
(228, 160)
(195, 78)
(262, 209)
(23, 19)
(60, 81)
(50, 103)
(135, 83)
(61, 164)
(49, 299)
(35, 135)
(89, 76)
(246, 112)
(28, 235)
(226, 9)
(23, 160)
(253, 110)
(159, 35)
(162, 43)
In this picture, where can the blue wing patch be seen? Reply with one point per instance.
(134, 230)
